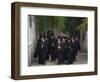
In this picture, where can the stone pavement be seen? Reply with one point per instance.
(81, 58)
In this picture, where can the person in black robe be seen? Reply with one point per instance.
(41, 50)
(74, 47)
(64, 48)
(47, 54)
(52, 48)
(59, 51)
(70, 54)
(49, 34)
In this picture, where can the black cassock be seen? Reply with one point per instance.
(47, 50)
(59, 53)
(52, 44)
(41, 51)
(49, 34)
(77, 48)
(65, 50)
(71, 52)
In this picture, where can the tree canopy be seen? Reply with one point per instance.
(71, 25)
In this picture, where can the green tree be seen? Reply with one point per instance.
(59, 23)
(71, 25)
(40, 23)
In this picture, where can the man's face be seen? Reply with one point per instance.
(63, 40)
(69, 40)
(42, 39)
(52, 37)
(59, 41)
(72, 40)
(76, 38)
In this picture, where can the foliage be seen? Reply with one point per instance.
(59, 23)
(71, 25)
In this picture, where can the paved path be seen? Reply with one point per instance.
(80, 59)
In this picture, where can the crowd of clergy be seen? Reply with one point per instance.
(61, 49)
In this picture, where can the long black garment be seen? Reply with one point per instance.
(47, 50)
(71, 52)
(64, 46)
(49, 34)
(59, 53)
(52, 49)
(42, 51)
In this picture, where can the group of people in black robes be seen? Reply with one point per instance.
(60, 49)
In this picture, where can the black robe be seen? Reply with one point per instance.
(41, 51)
(47, 50)
(71, 52)
(59, 53)
(52, 49)
(64, 46)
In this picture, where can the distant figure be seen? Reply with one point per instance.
(59, 51)
(70, 54)
(52, 44)
(73, 47)
(41, 50)
(64, 48)
(49, 34)
(47, 55)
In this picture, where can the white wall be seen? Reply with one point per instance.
(31, 39)
(5, 41)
